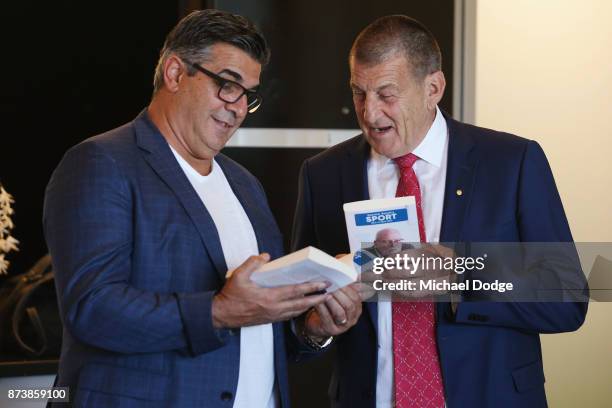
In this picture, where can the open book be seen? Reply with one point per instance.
(306, 265)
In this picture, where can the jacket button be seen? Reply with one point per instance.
(226, 396)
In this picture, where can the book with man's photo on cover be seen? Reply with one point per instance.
(381, 228)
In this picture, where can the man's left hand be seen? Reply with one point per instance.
(393, 275)
(336, 315)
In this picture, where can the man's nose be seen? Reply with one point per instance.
(371, 109)
(239, 107)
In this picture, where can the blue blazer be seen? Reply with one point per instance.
(490, 352)
(137, 260)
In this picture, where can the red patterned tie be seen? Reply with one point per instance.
(416, 365)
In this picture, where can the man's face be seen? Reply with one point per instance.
(206, 122)
(388, 242)
(391, 105)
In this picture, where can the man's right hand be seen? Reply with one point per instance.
(393, 275)
(241, 302)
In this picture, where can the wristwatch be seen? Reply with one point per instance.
(314, 344)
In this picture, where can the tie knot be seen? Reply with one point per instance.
(406, 161)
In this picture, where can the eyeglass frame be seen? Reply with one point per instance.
(220, 81)
(389, 241)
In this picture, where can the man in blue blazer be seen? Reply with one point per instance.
(476, 185)
(143, 223)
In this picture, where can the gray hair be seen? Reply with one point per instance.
(398, 34)
(193, 36)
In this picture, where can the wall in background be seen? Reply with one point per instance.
(76, 69)
(306, 83)
(543, 71)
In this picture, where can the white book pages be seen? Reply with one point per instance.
(306, 265)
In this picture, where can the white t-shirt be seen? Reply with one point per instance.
(238, 241)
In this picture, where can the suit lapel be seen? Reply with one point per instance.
(255, 211)
(355, 188)
(354, 174)
(157, 153)
(460, 171)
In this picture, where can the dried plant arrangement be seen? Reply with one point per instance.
(7, 242)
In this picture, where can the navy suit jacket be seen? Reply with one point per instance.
(137, 260)
(489, 352)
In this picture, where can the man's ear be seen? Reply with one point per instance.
(174, 69)
(434, 88)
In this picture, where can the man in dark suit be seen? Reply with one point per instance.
(471, 185)
(144, 222)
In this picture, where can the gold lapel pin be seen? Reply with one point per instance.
(459, 192)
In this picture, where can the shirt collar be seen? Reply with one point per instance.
(431, 148)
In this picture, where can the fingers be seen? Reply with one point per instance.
(344, 305)
(365, 291)
(369, 276)
(328, 325)
(293, 300)
(392, 274)
(246, 269)
(411, 252)
(297, 291)
(442, 251)
(339, 315)
(352, 291)
(295, 307)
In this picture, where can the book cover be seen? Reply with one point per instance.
(389, 223)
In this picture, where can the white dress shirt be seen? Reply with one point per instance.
(238, 241)
(383, 177)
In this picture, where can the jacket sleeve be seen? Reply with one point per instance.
(88, 223)
(541, 219)
(303, 235)
(303, 222)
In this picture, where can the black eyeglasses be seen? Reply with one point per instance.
(231, 91)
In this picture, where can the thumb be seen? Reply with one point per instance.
(246, 269)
